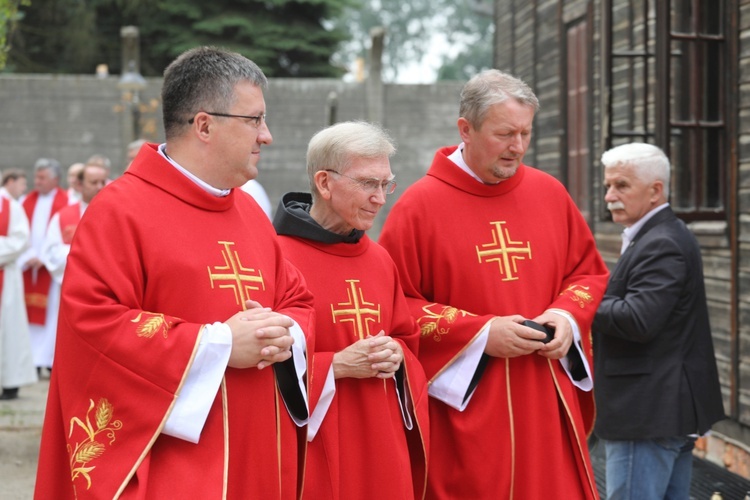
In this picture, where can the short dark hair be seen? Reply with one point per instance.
(81, 175)
(12, 174)
(204, 79)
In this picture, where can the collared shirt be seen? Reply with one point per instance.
(629, 233)
(457, 157)
(207, 187)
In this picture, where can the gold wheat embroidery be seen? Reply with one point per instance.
(90, 449)
(429, 324)
(581, 296)
(151, 324)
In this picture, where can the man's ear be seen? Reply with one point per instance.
(657, 190)
(464, 127)
(322, 183)
(201, 126)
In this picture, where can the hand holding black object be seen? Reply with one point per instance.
(542, 328)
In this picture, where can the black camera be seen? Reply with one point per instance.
(542, 328)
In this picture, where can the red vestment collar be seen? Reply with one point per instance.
(153, 168)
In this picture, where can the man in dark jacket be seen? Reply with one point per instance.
(656, 382)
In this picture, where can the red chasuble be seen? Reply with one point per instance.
(4, 226)
(134, 302)
(70, 216)
(468, 252)
(362, 448)
(36, 291)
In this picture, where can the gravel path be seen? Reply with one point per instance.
(20, 430)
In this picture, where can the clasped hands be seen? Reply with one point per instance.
(377, 356)
(260, 337)
(34, 263)
(508, 338)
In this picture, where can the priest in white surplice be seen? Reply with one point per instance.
(56, 247)
(16, 363)
(40, 205)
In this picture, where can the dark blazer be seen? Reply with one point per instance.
(654, 368)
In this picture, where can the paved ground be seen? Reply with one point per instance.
(20, 430)
(21, 426)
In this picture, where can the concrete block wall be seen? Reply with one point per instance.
(71, 117)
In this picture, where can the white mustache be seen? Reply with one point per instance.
(617, 205)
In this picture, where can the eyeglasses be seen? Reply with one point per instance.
(370, 185)
(257, 119)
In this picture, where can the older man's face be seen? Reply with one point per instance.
(45, 181)
(628, 197)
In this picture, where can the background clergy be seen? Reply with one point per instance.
(42, 299)
(16, 362)
(91, 179)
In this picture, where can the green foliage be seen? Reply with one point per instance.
(410, 26)
(284, 37)
(475, 56)
(8, 17)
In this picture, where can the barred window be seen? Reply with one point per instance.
(666, 84)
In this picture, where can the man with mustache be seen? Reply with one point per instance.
(483, 243)
(657, 385)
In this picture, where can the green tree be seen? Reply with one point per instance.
(284, 37)
(465, 27)
(474, 35)
(8, 18)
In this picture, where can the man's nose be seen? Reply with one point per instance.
(379, 195)
(264, 134)
(517, 143)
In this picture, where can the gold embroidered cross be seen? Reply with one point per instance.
(358, 310)
(231, 272)
(501, 252)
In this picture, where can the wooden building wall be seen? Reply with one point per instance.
(561, 48)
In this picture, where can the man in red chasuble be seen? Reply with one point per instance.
(484, 243)
(181, 343)
(368, 427)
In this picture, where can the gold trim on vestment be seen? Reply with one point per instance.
(278, 432)
(156, 435)
(511, 421)
(459, 353)
(225, 419)
(589, 473)
(419, 426)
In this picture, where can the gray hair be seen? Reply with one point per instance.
(648, 161)
(48, 164)
(337, 146)
(204, 79)
(492, 87)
